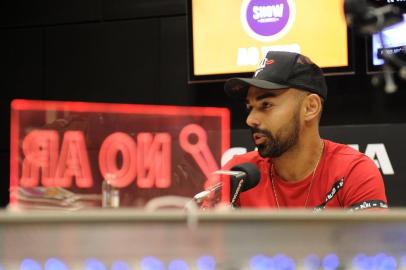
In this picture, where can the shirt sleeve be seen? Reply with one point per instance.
(364, 187)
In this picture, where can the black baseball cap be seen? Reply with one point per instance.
(281, 70)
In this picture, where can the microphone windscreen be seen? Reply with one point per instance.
(252, 172)
(355, 7)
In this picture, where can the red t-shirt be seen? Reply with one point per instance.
(343, 178)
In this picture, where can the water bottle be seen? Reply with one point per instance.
(110, 194)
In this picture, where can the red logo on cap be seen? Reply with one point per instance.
(269, 62)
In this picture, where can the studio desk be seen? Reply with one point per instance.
(130, 239)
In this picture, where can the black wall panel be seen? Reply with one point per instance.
(114, 62)
(130, 9)
(172, 63)
(353, 100)
(21, 62)
(5, 176)
(19, 13)
(21, 54)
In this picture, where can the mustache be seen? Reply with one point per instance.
(257, 130)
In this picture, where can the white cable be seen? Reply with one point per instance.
(179, 202)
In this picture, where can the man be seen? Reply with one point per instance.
(284, 101)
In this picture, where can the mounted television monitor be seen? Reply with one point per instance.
(230, 37)
(394, 38)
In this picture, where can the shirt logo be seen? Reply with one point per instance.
(267, 20)
(269, 62)
(330, 195)
(262, 64)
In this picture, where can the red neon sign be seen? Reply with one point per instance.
(164, 149)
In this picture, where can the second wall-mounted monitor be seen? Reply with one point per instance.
(230, 37)
(394, 38)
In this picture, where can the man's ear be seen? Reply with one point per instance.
(312, 107)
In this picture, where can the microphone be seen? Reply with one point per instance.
(368, 19)
(244, 176)
(203, 195)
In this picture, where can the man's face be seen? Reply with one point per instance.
(274, 119)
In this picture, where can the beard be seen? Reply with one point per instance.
(283, 140)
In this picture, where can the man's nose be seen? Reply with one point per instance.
(252, 119)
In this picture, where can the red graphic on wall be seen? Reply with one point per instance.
(150, 151)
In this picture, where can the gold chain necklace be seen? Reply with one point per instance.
(311, 181)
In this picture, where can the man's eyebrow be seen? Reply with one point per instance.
(266, 95)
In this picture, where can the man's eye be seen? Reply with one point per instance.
(266, 105)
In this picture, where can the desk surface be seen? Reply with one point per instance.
(233, 238)
(137, 215)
